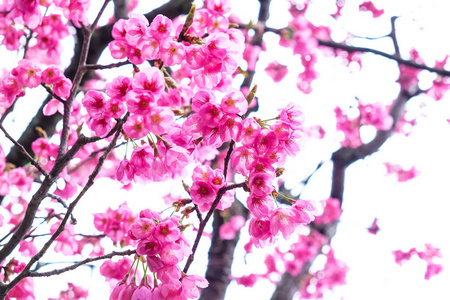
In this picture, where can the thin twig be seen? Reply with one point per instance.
(80, 263)
(63, 203)
(352, 49)
(26, 271)
(8, 111)
(203, 223)
(110, 66)
(24, 152)
(51, 93)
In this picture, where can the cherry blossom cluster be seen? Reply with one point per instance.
(207, 61)
(162, 243)
(151, 98)
(25, 288)
(115, 224)
(48, 47)
(372, 114)
(28, 12)
(333, 274)
(263, 149)
(331, 212)
(9, 177)
(301, 36)
(206, 184)
(72, 293)
(27, 74)
(228, 230)
(428, 255)
(304, 250)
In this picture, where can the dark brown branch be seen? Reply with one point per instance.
(110, 66)
(220, 257)
(26, 271)
(50, 92)
(203, 223)
(7, 111)
(80, 263)
(217, 272)
(342, 158)
(100, 39)
(63, 203)
(120, 9)
(24, 152)
(393, 36)
(402, 61)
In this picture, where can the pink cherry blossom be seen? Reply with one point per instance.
(149, 80)
(119, 87)
(192, 285)
(369, 6)
(260, 207)
(167, 231)
(160, 27)
(276, 71)
(51, 75)
(27, 73)
(234, 103)
(202, 192)
(136, 29)
(172, 53)
(159, 120)
(62, 87)
(331, 212)
(227, 231)
(284, 220)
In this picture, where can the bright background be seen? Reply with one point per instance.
(410, 214)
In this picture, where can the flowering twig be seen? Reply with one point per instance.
(24, 152)
(110, 66)
(80, 263)
(63, 203)
(49, 90)
(203, 223)
(60, 229)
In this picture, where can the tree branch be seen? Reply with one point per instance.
(220, 256)
(99, 41)
(402, 61)
(26, 271)
(80, 263)
(342, 158)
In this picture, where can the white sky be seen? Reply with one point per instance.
(410, 214)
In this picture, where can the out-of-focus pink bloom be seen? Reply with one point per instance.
(115, 270)
(284, 220)
(402, 174)
(369, 6)
(227, 231)
(331, 212)
(27, 248)
(276, 71)
(247, 280)
(433, 270)
(374, 228)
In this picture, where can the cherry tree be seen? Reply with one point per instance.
(185, 96)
